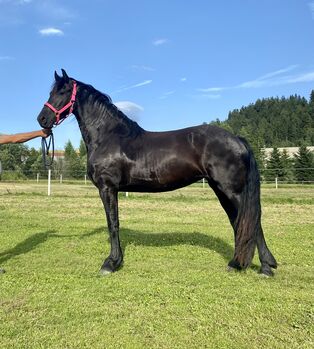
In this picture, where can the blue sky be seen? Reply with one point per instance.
(167, 63)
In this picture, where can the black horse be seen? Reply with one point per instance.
(121, 156)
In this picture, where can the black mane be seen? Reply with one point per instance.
(106, 108)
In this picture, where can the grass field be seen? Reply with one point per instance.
(173, 291)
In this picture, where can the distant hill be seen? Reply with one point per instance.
(280, 122)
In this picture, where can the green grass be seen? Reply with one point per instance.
(173, 291)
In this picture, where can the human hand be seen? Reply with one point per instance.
(45, 132)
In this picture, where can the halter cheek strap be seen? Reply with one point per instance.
(69, 106)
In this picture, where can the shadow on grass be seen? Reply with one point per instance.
(37, 239)
(128, 237)
(175, 239)
(26, 246)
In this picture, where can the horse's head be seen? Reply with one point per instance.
(60, 103)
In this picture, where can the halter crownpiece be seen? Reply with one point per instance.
(70, 105)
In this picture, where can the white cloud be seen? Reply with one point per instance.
(275, 78)
(205, 96)
(51, 31)
(131, 109)
(167, 94)
(306, 77)
(125, 88)
(183, 79)
(267, 79)
(159, 42)
(146, 82)
(211, 89)
(279, 72)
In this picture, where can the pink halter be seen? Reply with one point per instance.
(67, 106)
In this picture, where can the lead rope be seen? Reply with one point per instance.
(45, 147)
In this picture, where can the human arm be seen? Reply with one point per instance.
(24, 137)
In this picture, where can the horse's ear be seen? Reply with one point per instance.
(65, 75)
(57, 77)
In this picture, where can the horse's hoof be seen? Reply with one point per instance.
(234, 265)
(231, 269)
(105, 272)
(110, 266)
(266, 271)
(2, 271)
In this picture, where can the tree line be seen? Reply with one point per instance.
(279, 165)
(277, 122)
(20, 162)
(269, 122)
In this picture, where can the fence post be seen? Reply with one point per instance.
(127, 194)
(276, 182)
(37, 178)
(60, 178)
(85, 179)
(49, 182)
(203, 183)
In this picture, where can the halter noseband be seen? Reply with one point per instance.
(67, 106)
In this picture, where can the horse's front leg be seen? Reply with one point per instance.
(109, 198)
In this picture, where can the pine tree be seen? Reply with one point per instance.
(82, 149)
(311, 104)
(74, 168)
(261, 161)
(69, 151)
(274, 166)
(287, 166)
(304, 164)
(83, 156)
(309, 131)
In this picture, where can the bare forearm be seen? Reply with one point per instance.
(22, 137)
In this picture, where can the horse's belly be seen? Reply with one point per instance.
(154, 187)
(161, 178)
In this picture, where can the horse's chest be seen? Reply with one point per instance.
(112, 167)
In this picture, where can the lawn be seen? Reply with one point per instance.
(173, 290)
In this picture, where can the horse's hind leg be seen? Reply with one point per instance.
(265, 256)
(109, 198)
(235, 180)
(247, 235)
(231, 209)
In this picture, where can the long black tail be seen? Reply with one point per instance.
(247, 225)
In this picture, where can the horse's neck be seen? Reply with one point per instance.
(98, 123)
(91, 123)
